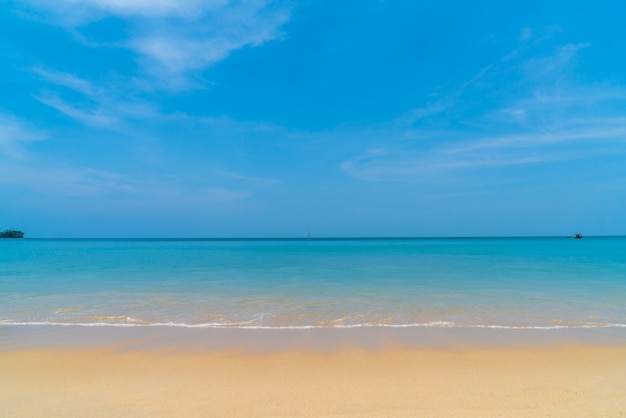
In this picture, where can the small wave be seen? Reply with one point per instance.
(246, 325)
(116, 319)
(65, 310)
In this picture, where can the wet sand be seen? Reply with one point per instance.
(180, 374)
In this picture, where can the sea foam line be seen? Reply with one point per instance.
(437, 324)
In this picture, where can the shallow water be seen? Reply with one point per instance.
(550, 283)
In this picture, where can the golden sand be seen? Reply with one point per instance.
(585, 381)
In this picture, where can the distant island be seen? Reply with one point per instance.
(10, 233)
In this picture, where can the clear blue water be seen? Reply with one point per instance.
(465, 282)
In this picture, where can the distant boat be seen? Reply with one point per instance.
(578, 236)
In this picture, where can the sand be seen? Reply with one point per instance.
(555, 381)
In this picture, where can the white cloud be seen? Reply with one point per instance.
(253, 179)
(66, 80)
(220, 195)
(543, 114)
(92, 117)
(462, 151)
(59, 182)
(147, 192)
(174, 39)
(170, 58)
(81, 12)
(526, 34)
(14, 134)
(98, 106)
(597, 129)
(547, 68)
(144, 7)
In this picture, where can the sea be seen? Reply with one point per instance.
(516, 283)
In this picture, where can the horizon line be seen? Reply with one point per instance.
(321, 238)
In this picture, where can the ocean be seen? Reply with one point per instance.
(526, 283)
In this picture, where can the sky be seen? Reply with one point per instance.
(218, 118)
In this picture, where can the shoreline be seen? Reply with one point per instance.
(140, 371)
(24, 337)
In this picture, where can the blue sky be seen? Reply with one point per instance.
(217, 118)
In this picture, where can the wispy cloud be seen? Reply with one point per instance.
(70, 81)
(14, 134)
(220, 195)
(93, 117)
(245, 178)
(77, 182)
(526, 34)
(457, 156)
(537, 113)
(546, 69)
(75, 12)
(96, 107)
(175, 39)
(429, 167)
(54, 182)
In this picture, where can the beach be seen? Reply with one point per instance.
(160, 373)
(261, 208)
(321, 328)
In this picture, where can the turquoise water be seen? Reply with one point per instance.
(476, 282)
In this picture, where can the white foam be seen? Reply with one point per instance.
(436, 324)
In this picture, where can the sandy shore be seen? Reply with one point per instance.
(570, 380)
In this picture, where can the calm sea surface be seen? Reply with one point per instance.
(475, 282)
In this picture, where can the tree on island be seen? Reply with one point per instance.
(10, 233)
